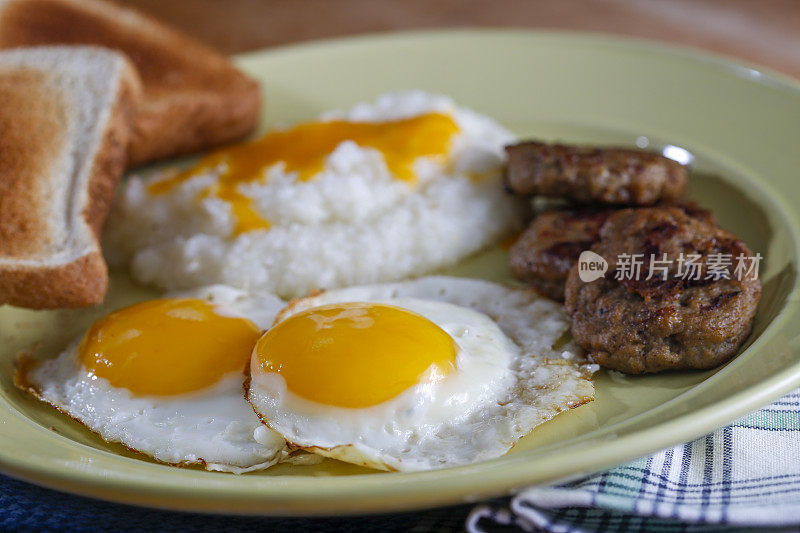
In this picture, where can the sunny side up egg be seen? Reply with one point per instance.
(416, 375)
(164, 378)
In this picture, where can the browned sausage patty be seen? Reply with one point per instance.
(546, 251)
(604, 175)
(642, 325)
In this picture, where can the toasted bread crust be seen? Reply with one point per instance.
(27, 143)
(84, 280)
(194, 97)
(187, 123)
(113, 153)
(80, 283)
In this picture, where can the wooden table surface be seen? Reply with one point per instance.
(760, 31)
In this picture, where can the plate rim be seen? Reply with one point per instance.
(494, 478)
(726, 62)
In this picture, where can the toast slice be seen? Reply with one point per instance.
(194, 98)
(65, 123)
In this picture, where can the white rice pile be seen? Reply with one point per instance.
(353, 223)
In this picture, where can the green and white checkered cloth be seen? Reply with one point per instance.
(746, 474)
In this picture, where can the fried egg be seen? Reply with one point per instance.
(164, 378)
(416, 375)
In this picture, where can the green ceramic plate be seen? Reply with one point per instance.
(742, 126)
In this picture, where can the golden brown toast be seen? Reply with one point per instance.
(65, 123)
(194, 98)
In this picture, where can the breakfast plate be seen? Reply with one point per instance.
(736, 125)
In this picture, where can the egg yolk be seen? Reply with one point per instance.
(167, 347)
(303, 149)
(356, 354)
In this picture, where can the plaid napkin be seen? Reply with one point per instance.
(743, 475)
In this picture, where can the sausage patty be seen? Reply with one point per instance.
(546, 251)
(585, 174)
(551, 245)
(682, 322)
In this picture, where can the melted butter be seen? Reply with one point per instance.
(303, 149)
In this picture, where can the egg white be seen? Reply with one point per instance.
(213, 427)
(509, 378)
